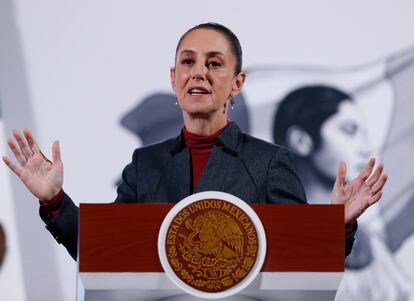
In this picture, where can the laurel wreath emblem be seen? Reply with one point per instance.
(212, 248)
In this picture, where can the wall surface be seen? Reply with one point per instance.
(71, 70)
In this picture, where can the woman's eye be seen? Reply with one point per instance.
(350, 129)
(213, 64)
(187, 61)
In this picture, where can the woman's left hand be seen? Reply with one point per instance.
(362, 192)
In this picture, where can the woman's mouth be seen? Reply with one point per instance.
(198, 91)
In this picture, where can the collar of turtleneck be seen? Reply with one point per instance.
(200, 149)
(201, 143)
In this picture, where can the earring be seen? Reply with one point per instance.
(231, 101)
(176, 103)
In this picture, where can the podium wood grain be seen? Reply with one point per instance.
(123, 237)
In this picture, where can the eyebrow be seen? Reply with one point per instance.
(210, 53)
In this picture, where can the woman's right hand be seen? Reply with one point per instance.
(41, 176)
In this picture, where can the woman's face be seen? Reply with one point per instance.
(204, 77)
(343, 137)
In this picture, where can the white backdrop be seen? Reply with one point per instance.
(86, 63)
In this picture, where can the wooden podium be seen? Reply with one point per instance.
(118, 258)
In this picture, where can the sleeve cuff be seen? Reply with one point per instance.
(350, 228)
(50, 210)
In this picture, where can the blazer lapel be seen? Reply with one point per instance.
(215, 171)
(180, 176)
(214, 175)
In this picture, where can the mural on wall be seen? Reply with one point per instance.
(326, 115)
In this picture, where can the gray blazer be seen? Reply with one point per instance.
(249, 168)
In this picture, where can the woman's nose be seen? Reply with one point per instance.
(365, 153)
(199, 71)
(366, 149)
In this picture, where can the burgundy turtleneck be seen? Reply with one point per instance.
(200, 149)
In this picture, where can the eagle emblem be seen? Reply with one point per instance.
(212, 245)
(214, 233)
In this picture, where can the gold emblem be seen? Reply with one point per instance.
(211, 245)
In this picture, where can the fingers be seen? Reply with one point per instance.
(375, 177)
(24, 147)
(13, 167)
(56, 151)
(376, 193)
(31, 140)
(340, 178)
(379, 185)
(371, 192)
(367, 170)
(16, 152)
(375, 198)
(364, 205)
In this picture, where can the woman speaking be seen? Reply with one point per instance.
(211, 153)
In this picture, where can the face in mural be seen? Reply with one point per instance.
(204, 77)
(343, 137)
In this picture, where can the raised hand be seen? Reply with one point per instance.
(42, 177)
(362, 192)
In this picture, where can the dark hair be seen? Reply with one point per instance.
(231, 38)
(307, 107)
